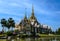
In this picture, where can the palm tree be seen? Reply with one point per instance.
(3, 23)
(11, 23)
(8, 25)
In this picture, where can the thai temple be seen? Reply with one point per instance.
(31, 25)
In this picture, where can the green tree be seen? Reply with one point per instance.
(3, 23)
(58, 31)
(11, 23)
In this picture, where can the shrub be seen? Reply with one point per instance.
(9, 33)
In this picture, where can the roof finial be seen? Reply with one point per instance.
(25, 14)
(32, 10)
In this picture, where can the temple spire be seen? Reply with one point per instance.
(32, 18)
(32, 15)
(25, 17)
(32, 10)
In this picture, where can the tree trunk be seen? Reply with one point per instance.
(8, 29)
(3, 29)
(12, 28)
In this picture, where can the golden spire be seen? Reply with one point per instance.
(32, 10)
(32, 15)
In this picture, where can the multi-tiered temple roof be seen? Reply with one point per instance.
(31, 23)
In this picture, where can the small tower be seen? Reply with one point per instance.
(32, 10)
(32, 18)
(25, 17)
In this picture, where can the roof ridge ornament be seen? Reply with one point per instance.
(32, 10)
(25, 17)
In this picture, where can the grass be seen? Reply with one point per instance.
(49, 35)
(2, 39)
(42, 35)
(2, 34)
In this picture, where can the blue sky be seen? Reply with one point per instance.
(46, 11)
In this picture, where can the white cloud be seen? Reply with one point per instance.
(6, 11)
(14, 4)
(58, 12)
(6, 5)
(21, 4)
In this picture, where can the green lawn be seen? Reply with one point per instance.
(46, 35)
(2, 39)
(2, 34)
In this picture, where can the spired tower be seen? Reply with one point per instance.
(23, 22)
(25, 18)
(34, 23)
(33, 18)
(32, 15)
(30, 25)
